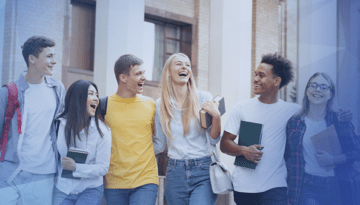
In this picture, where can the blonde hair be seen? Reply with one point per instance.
(191, 106)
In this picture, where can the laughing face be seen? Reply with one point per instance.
(180, 70)
(92, 101)
(264, 81)
(44, 63)
(318, 91)
(136, 79)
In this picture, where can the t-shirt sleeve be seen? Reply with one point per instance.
(232, 125)
(205, 96)
(159, 137)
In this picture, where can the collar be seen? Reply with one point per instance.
(25, 85)
(329, 116)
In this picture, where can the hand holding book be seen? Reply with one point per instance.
(210, 109)
(73, 156)
(252, 153)
(249, 140)
(68, 163)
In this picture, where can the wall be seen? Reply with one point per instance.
(24, 19)
(264, 31)
(2, 24)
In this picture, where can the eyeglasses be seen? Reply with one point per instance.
(323, 87)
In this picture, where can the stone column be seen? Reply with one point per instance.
(230, 59)
(119, 31)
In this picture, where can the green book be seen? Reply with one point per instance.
(79, 157)
(250, 134)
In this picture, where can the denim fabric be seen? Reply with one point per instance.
(188, 182)
(28, 188)
(144, 195)
(90, 196)
(275, 196)
(319, 190)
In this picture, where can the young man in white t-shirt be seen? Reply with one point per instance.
(27, 172)
(267, 183)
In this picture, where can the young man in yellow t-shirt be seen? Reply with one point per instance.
(133, 175)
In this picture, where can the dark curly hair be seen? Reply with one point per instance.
(35, 45)
(282, 67)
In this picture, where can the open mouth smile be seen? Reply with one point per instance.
(183, 74)
(93, 106)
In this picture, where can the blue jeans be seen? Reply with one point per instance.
(319, 190)
(144, 195)
(28, 188)
(91, 196)
(188, 182)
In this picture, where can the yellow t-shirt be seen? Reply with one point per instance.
(132, 162)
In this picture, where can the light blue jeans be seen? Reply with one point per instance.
(90, 196)
(28, 188)
(188, 182)
(144, 195)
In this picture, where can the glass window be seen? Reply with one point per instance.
(161, 40)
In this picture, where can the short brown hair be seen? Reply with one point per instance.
(124, 63)
(35, 45)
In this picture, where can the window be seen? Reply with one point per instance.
(161, 40)
(82, 35)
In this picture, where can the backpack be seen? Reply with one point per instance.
(12, 105)
(103, 106)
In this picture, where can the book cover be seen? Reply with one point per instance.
(206, 118)
(250, 134)
(79, 157)
(328, 141)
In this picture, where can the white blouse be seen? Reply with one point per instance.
(193, 145)
(97, 162)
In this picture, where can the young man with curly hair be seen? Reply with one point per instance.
(267, 183)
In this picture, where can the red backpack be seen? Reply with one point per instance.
(12, 104)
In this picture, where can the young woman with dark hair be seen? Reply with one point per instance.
(81, 127)
(315, 176)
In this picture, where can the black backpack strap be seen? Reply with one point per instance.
(57, 125)
(103, 106)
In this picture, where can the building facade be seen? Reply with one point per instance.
(224, 39)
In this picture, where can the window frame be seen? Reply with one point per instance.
(155, 15)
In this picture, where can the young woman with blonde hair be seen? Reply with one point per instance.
(177, 125)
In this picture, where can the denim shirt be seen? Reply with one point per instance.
(193, 145)
(9, 167)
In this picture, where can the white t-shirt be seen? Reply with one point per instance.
(271, 171)
(311, 164)
(37, 155)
